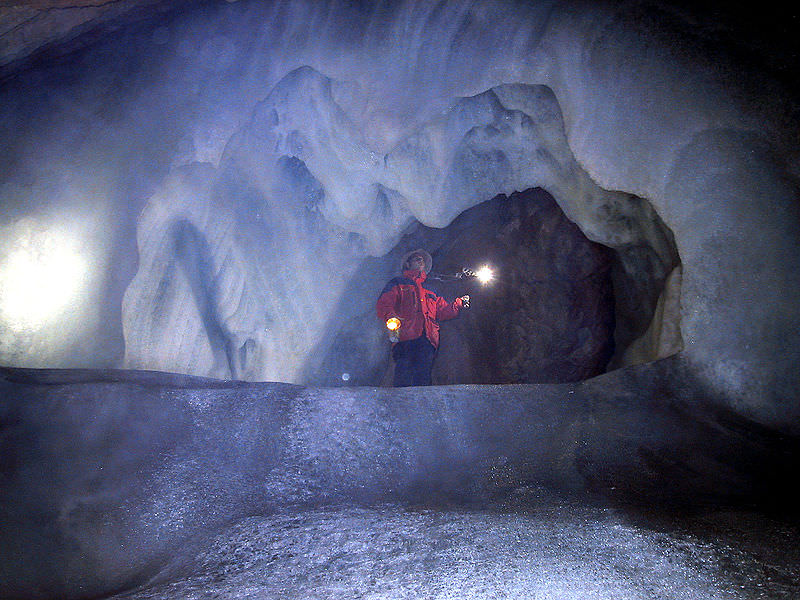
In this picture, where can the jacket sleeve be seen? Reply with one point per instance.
(447, 310)
(386, 303)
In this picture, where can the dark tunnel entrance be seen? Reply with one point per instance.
(548, 317)
(562, 307)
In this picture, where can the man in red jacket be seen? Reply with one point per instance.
(419, 312)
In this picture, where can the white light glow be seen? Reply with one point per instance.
(484, 275)
(38, 279)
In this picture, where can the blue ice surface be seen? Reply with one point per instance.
(554, 549)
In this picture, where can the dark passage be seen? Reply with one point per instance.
(548, 316)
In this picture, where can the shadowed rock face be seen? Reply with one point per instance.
(35, 27)
(549, 315)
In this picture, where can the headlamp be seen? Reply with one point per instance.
(484, 275)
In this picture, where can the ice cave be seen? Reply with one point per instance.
(201, 201)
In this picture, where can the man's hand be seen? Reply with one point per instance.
(465, 301)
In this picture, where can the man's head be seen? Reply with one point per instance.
(417, 260)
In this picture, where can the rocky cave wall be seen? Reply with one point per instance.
(305, 133)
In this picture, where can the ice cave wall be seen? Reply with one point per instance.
(237, 143)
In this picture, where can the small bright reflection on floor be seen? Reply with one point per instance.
(38, 278)
(552, 550)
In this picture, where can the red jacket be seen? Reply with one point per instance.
(418, 309)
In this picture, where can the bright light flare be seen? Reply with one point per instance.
(393, 324)
(484, 275)
(38, 279)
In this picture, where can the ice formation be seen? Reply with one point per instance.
(261, 151)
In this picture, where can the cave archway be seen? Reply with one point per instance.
(561, 308)
(287, 206)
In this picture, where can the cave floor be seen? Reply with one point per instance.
(534, 545)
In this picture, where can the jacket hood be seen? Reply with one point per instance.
(428, 260)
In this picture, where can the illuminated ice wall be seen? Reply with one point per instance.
(194, 191)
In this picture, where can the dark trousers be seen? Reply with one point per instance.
(413, 361)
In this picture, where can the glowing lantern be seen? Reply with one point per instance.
(393, 325)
